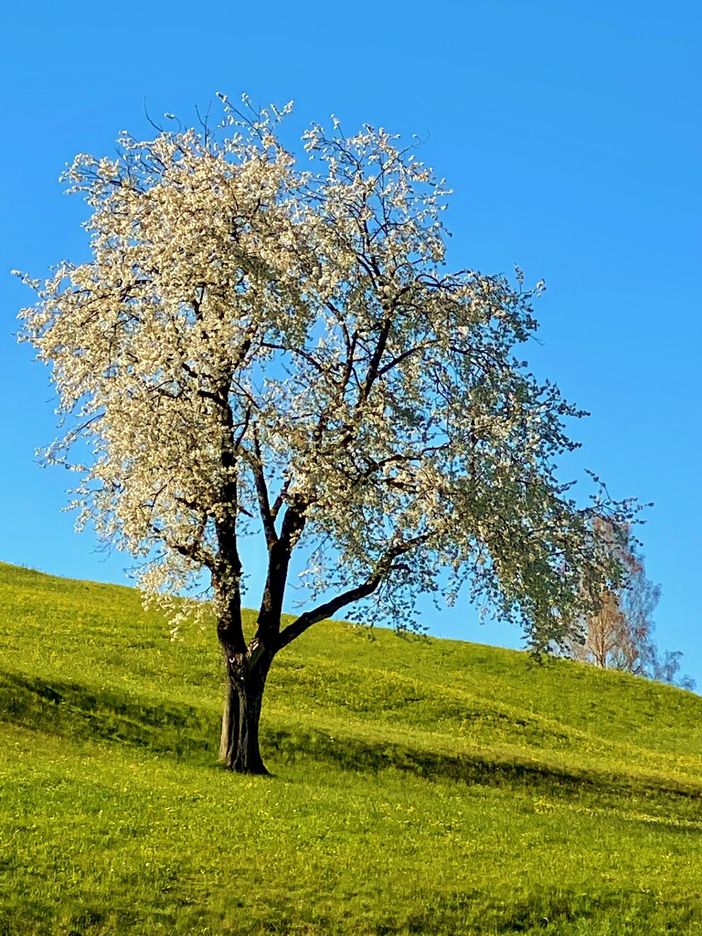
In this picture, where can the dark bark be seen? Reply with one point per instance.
(358, 592)
(247, 666)
(246, 675)
(280, 550)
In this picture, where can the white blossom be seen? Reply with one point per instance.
(253, 344)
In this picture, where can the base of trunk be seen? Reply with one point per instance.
(239, 749)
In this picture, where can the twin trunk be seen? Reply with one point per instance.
(246, 678)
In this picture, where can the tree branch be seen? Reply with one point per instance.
(268, 624)
(364, 590)
(280, 499)
(264, 505)
(323, 611)
(375, 360)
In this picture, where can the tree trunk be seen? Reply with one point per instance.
(246, 679)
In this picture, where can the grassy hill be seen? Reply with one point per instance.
(421, 786)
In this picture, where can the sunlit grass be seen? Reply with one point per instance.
(421, 786)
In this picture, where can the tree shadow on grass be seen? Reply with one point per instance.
(358, 754)
(69, 709)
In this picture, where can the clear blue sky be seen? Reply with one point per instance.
(569, 131)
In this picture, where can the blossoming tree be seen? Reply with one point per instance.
(257, 349)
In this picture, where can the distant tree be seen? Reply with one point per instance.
(259, 350)
(619, 633)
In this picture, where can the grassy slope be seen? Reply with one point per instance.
(422, 786)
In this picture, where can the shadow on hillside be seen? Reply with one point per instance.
(354, 753)
(72, 710)
(69, 709)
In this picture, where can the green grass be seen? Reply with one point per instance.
(421, 786)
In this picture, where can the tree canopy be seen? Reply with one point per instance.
(260, 348)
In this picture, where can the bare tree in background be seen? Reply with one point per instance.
(620, 634)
